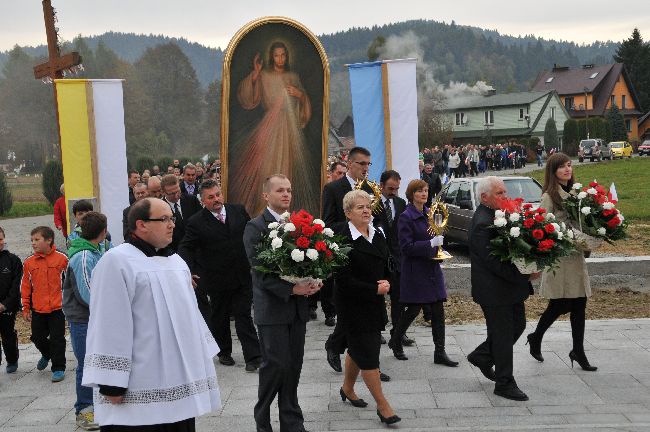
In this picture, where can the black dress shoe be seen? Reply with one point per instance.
(253, 365)
(334, 360)
(398, 351)
(226, 360)
(312, 314)
(407, 341)
(535, 347)
(383, 340)
(512, 393)
(330, 321)
(486, 370)
(390, 420)
(440, 357)
(383, 377)
(359, 403)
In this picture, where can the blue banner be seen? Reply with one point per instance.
(368, 113)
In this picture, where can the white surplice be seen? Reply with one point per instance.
(146, 334)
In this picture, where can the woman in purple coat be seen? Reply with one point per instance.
(421, 280)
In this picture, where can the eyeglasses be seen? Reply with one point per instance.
(164, 219)
(363, 164)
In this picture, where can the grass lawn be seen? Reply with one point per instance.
(28, 198)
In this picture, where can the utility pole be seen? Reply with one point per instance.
(57, 66)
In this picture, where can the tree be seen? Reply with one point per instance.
(52, 180)
(6, 200)
(374, 50)
(617, 124)
(635, 55)
(571, 137)
(550, 134)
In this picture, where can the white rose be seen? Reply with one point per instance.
(602, 231)
(273, 234)
(592, 191)
(285, 215)
(550, 216)
(556, 226)
(319, 222)
(327, 232)
(500, 222)
(297, 255)
(312, 254)
(621, 219)
(608, 205)
(570, 234)
(273, 225)
(515, 232)
(514, 217)
(559, 235)
(577, 186)
(288, 227)
(582, 195)
(585, 210)
(276, 243)
(334, 247)
(563, 225)
(499, 214)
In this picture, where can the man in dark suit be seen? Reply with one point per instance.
(213, 248)
(189, 186)
(183, 206)
(500, 289)
(134, 177)
(281, 314)
(392, 207)
(139, 192)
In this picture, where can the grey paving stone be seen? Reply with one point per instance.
(558, 409)
(474, 412)
(442, 385)
(37, 417)
(594, 418)
(462, 399)
(639, 417)
(507, 421)
(610, 408)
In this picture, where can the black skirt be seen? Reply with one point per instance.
(363, 348)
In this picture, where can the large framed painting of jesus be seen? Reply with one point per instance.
(274, 113)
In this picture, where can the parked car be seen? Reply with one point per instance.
(644, 148)
(620, 149)
(12, 175)
(462, 200)
(605, 151)
(590, 149)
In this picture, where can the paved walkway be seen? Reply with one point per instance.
(428, 397)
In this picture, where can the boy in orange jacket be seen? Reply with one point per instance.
(41, 291)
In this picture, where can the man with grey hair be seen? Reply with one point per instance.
(500, 289)
(189, 186)
(153, 187)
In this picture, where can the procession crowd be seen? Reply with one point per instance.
(147, 317)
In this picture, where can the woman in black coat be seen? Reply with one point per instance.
(360, 289)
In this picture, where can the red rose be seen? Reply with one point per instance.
(528, 206)
(549, 228)
(320, 246)
(528, 213)
(301, 218)
(600, 189)
(613, 222)
(608, 213)
(545, 245)
(538, 234)
(528, 223)
(540, 210)
(302, 242)
(539, 218)
(328, 255)
(308, 230)
(593, 184)
(600, 199)
(318, 228)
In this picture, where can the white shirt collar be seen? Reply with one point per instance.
(356, 233)
(274, 214)
(351, 180)
(222, 212)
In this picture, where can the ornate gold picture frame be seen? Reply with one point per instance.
(274, 112)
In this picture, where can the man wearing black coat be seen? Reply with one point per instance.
(500, 289)
(281, 314)
(213, 248)
(139, 192)
(183, 207)
(189, 185)
(11, 272)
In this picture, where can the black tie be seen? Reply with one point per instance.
(389, 212)
(177, 212)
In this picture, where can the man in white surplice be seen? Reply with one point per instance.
(149, 352)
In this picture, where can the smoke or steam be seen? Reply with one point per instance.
(431, 93)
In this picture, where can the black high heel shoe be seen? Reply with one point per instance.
(390, 420)
(535, 347)
(398, 352)
(359, 403)
(582, 361)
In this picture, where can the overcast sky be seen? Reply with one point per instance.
(213, 23)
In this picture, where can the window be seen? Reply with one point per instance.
(593, 75)
(553, 113)
(568, 103)
(521, 113)
(628, 125)
(613, 100)
(464, 197)
(449, 194)
(460, 119)
(623, 102)
(489, 117)
(549, 80)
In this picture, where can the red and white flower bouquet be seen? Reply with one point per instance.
(595, 215)
(529, 237)
(300, 248)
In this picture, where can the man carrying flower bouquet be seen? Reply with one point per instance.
(500, 289)
(281, 314)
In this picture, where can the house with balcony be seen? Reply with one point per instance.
(589, 91)
(644, 127)
(507, 117)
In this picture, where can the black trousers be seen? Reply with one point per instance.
(505, 323)
(396, 307)
(181, 426)
(48, 335)
(411, 311)
(9, 337)
(283, 348)
(557, 307)
(204, 306)
(326, 297)
(237, 303)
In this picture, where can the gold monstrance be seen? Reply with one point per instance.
(438, 217)
(374, 192)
